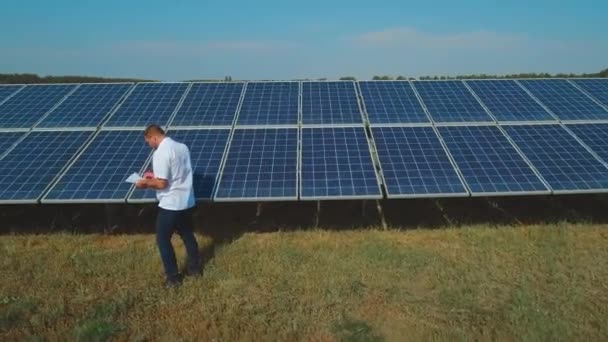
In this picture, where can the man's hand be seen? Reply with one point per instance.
(142, 184)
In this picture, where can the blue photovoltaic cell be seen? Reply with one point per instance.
(508, 101)
(29, 168)
(595, 136)
(414, 163)
(391, 102)
(100, 171)
(209, 104)
(8, 90)
(330, 103)
(336, 162)
(450, 101)
(261, 164)
(148, 103)
(564, 100)
(206, 150)
(598, 88)
(7, 139)
(86, 106)
(270, 103)
(26, 107)
(488, 162)
(564, 163)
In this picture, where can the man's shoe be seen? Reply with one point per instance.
(193, 272)
(173, 282)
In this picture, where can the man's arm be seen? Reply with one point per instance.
(153, 183)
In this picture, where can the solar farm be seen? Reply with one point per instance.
(308, 140)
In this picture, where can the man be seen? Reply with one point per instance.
(172, 181)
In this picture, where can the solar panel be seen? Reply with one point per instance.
(29, 168)
(8, 90)
(508, 101)
(414, 163)
(209, 104)
(330, 103)
(595, 136)
(86, 106)
(270, 103)
(598, 88)
(488, 162)
(148, 103)
(564, 163)
(450, 101)
(30, 104)
(336, 163)
(206, 151)
(564, 100)
(100, 172)
(7, 139)
(261, 164)
(391, 102)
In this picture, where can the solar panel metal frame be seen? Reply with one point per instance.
(236, 124)
(234, 118)
(350, 197)
(46, 200)
(358, 96)
(61, 171)
(13, 93)
(45, 114)
(104, 123)
(465, 187)
(148, 162)
(400, 124)
(573, 135)
(560, 120)
(548, 190)
(220, 175)
(509, 122)
(103, 119)
(452, 123)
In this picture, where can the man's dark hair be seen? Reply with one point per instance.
(153, 129)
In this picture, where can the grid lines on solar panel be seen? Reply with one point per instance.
(270, 103)
(450, 101)
(488, 162)
(330, 103)
(209, 104)
(206, 150)
(7, 139)
(391, 102)
(86, 106)
(261, 164)
(148, 103)
(8, 90)
(336, 162)
(27, 170)
(595, 136)
(598, 88)
(508, 101)
(564, 100)
(414, 162)
(100, 171)
(25, 108)
(559, 158)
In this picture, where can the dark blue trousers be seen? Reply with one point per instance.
(167, 222)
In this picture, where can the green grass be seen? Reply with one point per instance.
(473, 283)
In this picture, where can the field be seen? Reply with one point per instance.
(537, 271)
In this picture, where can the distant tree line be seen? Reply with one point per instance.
(33, 78)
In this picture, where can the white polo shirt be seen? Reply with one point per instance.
(171, 161)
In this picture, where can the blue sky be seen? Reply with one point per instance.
(178, 40)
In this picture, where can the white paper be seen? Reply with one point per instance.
(133, 178)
